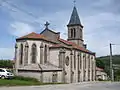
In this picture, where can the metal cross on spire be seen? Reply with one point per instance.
(74, 2)
(46, 25)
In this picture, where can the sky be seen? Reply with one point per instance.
(100, 18)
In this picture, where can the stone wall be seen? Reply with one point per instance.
(46, 77)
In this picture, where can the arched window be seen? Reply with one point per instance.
(34, 53)
(26, 54)
(81, 33)
(92, 69)
(80, 62)
(45, 54)
(21, 54)
(85, 60)
(41, 53)
(74, 32)
(84, 67)
(54, 77)
(74, 59)
(88, 67)
(67, 61)
(16, 47)
(60, 59)
(88, 61)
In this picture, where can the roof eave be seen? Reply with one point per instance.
(18, 39)
(75, 25)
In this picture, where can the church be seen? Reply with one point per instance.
(49, 58)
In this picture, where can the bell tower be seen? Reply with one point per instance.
(75, 28)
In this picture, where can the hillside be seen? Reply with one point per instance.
(106, 59)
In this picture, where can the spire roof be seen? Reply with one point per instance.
(74, 20)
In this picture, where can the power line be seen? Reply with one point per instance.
(22, 10)
(15, 6)
(117, 44)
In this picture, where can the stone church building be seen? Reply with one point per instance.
(49, 58)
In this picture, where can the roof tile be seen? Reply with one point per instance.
(34, 35)
(75, 45)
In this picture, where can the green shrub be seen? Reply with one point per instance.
(5, 82)
(6, 64)
(25, 78)
(100, 79)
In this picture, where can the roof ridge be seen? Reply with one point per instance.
(50, 31)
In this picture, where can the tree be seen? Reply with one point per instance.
(6, 64)
(100, 63)
(106, 61)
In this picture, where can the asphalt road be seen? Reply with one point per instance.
(78, 86)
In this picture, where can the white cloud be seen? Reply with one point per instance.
(96, 27)
(100, 30)
(6, 53)
(20, 28)
(100, 3)
(58, 21)
(100, 21)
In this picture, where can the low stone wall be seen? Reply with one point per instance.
(46, 77)
(30, 74)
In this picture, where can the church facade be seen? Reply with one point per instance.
(49, 58)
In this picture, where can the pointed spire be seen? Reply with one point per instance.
(74, 20)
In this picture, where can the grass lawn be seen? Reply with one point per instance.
(5, 82)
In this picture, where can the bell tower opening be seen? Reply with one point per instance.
(75, 28)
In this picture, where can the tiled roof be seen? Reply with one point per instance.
(68, 43)
(80, 48)
(65, 41)
(58, 46)
(34, 36)
(99, 69)
(75, 46)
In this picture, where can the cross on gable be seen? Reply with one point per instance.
(47, 24)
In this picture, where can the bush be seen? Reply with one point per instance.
(100, 79)
(6, 64)
(5, 82)
(25, 78)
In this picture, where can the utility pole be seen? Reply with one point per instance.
(111, 66)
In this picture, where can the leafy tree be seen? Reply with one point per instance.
(6, 64)
(100, 63)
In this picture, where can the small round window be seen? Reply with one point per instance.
(67, 61)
